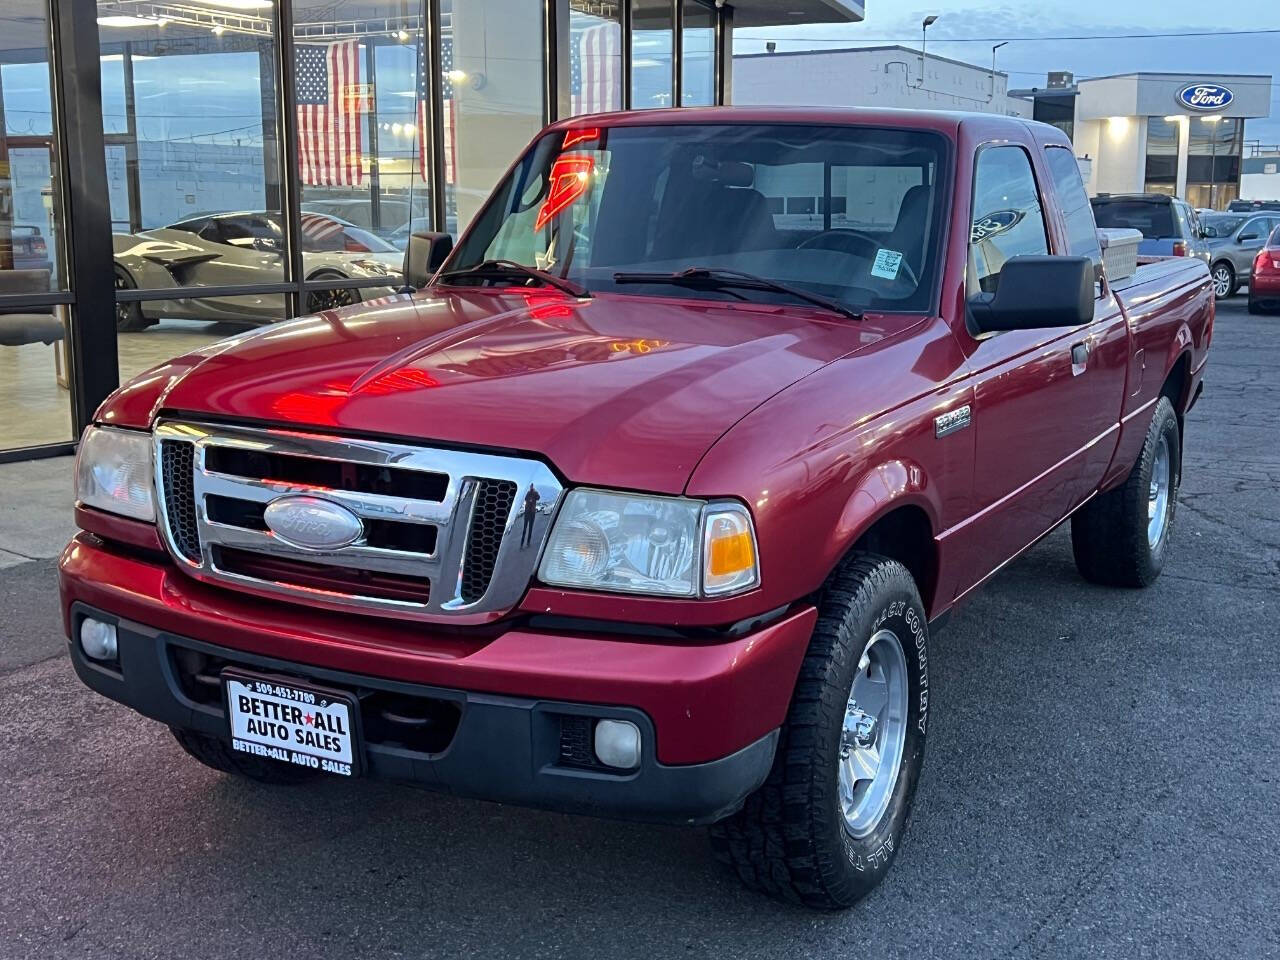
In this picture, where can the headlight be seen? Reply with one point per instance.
(372, 266)
(114, 472)
(666, 546)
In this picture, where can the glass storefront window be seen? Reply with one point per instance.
(651, 51)
(1213, 162)
(595, 57)
(34, 397)
(493, 95)
(1162, 154)
(698, 70)
(361, 116)
(191, 125)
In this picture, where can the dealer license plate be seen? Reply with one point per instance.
(280, 720)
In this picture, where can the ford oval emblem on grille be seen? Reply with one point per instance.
(312, 523)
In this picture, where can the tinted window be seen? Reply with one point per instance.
(1258, 226)
(1221, 226)
(1154, 218)
(1082, 234)
(1007, 218)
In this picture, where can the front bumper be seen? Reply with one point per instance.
(708, 712)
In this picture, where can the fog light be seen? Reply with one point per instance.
(98, 639)
(618, 744)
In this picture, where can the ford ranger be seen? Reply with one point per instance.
(644, 500)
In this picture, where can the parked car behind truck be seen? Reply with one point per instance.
(642, 506)
(1170, 227)
(1234, 242)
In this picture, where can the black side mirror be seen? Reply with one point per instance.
(1036, 292)
(1246, 237)
(425, 254)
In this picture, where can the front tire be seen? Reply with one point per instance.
(320, 300)
(1224, 280)
(218, 755)
(1121, 537)
(129, 316)
(829, 820)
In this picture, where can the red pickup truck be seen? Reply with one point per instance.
(646, 502)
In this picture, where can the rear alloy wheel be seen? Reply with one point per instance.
(320, 300)
(1121, 537)
(129, 317)
(1224, 280)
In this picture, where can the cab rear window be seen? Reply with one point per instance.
(1152, 218)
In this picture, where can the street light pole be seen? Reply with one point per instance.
(993, 69)
(924, 41)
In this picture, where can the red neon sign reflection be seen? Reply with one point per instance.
(570, 179)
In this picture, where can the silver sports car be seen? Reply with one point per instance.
(226, 249)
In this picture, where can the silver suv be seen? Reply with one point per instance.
(1234, 240)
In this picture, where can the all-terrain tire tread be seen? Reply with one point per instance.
(770, 844)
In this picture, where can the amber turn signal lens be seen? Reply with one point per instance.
(731, 554)
(729, 551)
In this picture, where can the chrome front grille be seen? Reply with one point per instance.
(443, 532)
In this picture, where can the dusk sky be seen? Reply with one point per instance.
(1027, 60)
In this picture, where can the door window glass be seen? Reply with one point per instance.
(1008, 220)
(1082, 234)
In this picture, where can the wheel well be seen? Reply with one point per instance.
(1224, 263)
(1176, 384)
(905, 534)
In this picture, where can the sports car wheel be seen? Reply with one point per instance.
(319, 300)
(129, 316)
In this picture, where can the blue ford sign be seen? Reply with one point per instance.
(1205, 96)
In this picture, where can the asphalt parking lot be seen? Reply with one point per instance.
(1103, 780)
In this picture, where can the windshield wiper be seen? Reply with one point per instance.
(712, 277)
(505, 269)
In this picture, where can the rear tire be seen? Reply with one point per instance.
(218, 755)
(1224, 280)
(1254, 306)
(1121, 537)
(818, 833)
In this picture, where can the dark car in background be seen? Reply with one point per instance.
(1251, 206)
(1234, 240)
(1169, 226)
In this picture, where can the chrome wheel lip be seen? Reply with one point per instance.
(1159, 492)
(1221, 281)
(873, 740)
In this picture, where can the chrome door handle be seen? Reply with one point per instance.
(1080, 357)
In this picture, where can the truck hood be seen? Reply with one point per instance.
(619, 390)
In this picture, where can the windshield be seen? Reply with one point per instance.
(850, 213)
(1220, 226)
(1153, 217)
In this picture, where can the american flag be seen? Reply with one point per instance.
(319, 228)
(331, 107)
(595, 69)
(449, 115)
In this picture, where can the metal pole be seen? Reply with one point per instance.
(86, 226)
(287, 145)
(677, 53)
(375, 180)
(433, 64)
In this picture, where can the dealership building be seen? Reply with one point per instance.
(1175, 133)
(329, 128)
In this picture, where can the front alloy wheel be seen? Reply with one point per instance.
(875, 732)
(829, 820)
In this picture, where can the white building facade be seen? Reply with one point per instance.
(891, 76)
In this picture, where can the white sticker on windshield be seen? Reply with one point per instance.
(887, 263)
